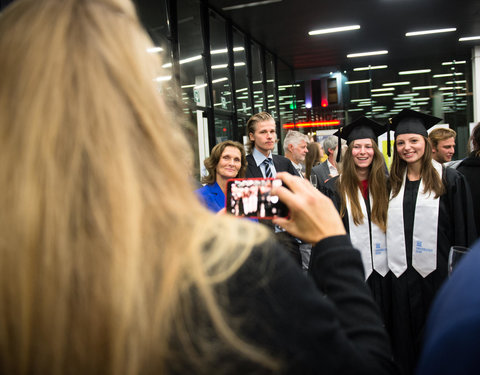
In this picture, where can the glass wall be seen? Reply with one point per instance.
(257, 76)
(183, 34)
(192, 73)
(222, 96)
(241, 80)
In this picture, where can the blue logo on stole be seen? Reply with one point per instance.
(419, 249)
(379, 249)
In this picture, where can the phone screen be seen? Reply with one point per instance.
(251, 197)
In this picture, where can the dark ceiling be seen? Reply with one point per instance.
(283, 25)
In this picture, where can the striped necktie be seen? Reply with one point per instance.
(268, 171)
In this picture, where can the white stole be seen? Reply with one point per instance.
(425, 226)
(360, 237)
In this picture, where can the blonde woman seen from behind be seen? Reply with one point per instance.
(109, 263)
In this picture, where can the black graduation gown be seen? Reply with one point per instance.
(379, 285)
(470, 168)
(412, 294)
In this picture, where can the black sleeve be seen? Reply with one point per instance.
(291, 169)
(326, 324)
(461, 207)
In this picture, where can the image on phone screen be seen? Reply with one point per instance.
(252, 197)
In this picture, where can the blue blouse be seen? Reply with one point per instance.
(212, 196)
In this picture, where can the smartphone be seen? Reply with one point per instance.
(252, 197)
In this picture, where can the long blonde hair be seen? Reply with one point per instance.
(97, 270)
(377, 186)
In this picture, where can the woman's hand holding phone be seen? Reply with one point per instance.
(313, 216)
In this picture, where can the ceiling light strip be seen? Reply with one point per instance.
(427, 32)
(362, 54)
(418, 71)
(370, 68)
(334, 30)
(468, 38)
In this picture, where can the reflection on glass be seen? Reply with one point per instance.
(241, 94)
(192, 74)
(222, 96)
(258, 93)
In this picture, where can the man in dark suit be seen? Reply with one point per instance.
(262, 138)
(328, 168)
(262, 163)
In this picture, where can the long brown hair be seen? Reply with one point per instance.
(475, 141)
(312, 158)
(348, 183)
(431, 179)
(103, 242)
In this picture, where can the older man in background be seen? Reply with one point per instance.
(295, 147)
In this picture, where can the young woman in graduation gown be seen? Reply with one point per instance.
(430, 210)
(360, 194)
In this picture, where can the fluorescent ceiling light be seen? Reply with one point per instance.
(224, 50)
(359, 81)
(384, 89)
(410, 94)
(436, 31)
(360, 100)
(219, 80)
(190, 59)
(383, 94)
(163, 78)
(187, 86)
(455, 82)
(454, 62)
(240, 90)
(370, 68)
(361, 54)
(220, 66)
(334, 30)
(364, 104)
(447, 75)
(355, 110)
(404, 83)
(452, 88)
(467, 38)
(418, 71)
(420, 99)
(249, 5)
(424, 87)
(154, 49)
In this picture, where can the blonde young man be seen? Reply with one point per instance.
(443, 144)
(262, 138)
(262, 163)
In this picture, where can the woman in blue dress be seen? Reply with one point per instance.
(227, 160)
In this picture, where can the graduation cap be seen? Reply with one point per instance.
(409, 121)
(361, 128)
